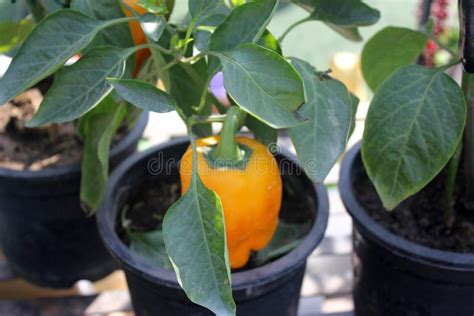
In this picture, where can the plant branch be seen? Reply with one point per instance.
(291, 27)
(189, 31)
(209, 119)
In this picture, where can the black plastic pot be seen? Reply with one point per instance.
(46, 237)
(273, 289)
(394, 276)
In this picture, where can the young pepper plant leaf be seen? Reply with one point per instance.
(343, 16)
(144, 95)
(263, 133)
(388, 50)
(150, 246)
(194, 234)
(97, 128)
(263, 83)
(152, 25)
(413, 127)
(54, 40)
(245, 24)
(81, 86)
(200, 10)
(322, 138)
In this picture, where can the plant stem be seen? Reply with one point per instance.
(227, 148)
(189, 31)
(291, 27)
(209, 119)
(468, 88)
(37, 10)
(220, 107)
(438, 42)
(450, 185)
(205, 91)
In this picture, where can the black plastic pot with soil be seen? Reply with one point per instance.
(46, 237)
(152, 178)
(407, 261)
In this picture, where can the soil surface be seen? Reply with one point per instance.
(148, 203)
(48, 146)
(421, 218)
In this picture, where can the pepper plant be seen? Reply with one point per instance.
(416, 120)
(268, 92)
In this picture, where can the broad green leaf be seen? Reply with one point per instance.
(97, 128)
(413, 126)
(152, 25)
(151, 247)
(245, 24)
(200, 10)
(263, 133)
(263, 83)
(194, 234)
(14, 33)
(117, 35)
(144, 95)
(155, 6)
(54, 40)
(80, 87)
(286, 238)
(202, 36)
(355, 105)
(343, 16)
(269, 41)
(321, 139)
(388, 50)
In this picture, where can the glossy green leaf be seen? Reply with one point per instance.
(245, 24)
(264, 84)
(151, 247)
(321, 139)
(154, 6)
(343, 16)
(268, 40)
(97, 128)
(286, 238)
(263, 133)
(388, 50)
(200, 10)
(58, 37)
(355, 105)
(118, 35)
(413, 126)
(14, 33)
(143, 95)
(153, 25)
(194, 234)
(80, 87)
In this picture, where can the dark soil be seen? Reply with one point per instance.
(49, 146)
(421, 218)
(147, 204)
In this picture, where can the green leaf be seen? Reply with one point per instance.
(97, 128)
(413, 126)
(14, 33)
(143, 95)
(343, 16)
(118, 35)
(322, 138)
(80, 87)
(269, 41)
(263, 83)
(286, 238)
(152, 25)
(388, 50)
(194, 234)
(54, 40)
(263, 133)
(202, 9)
(151, 247)
(154, 6)
(355, 105)
(245, 24)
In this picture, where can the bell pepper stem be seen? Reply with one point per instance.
(227, 148)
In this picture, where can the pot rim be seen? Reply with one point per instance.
(383, 237)
(134, 133)
(240, 280)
